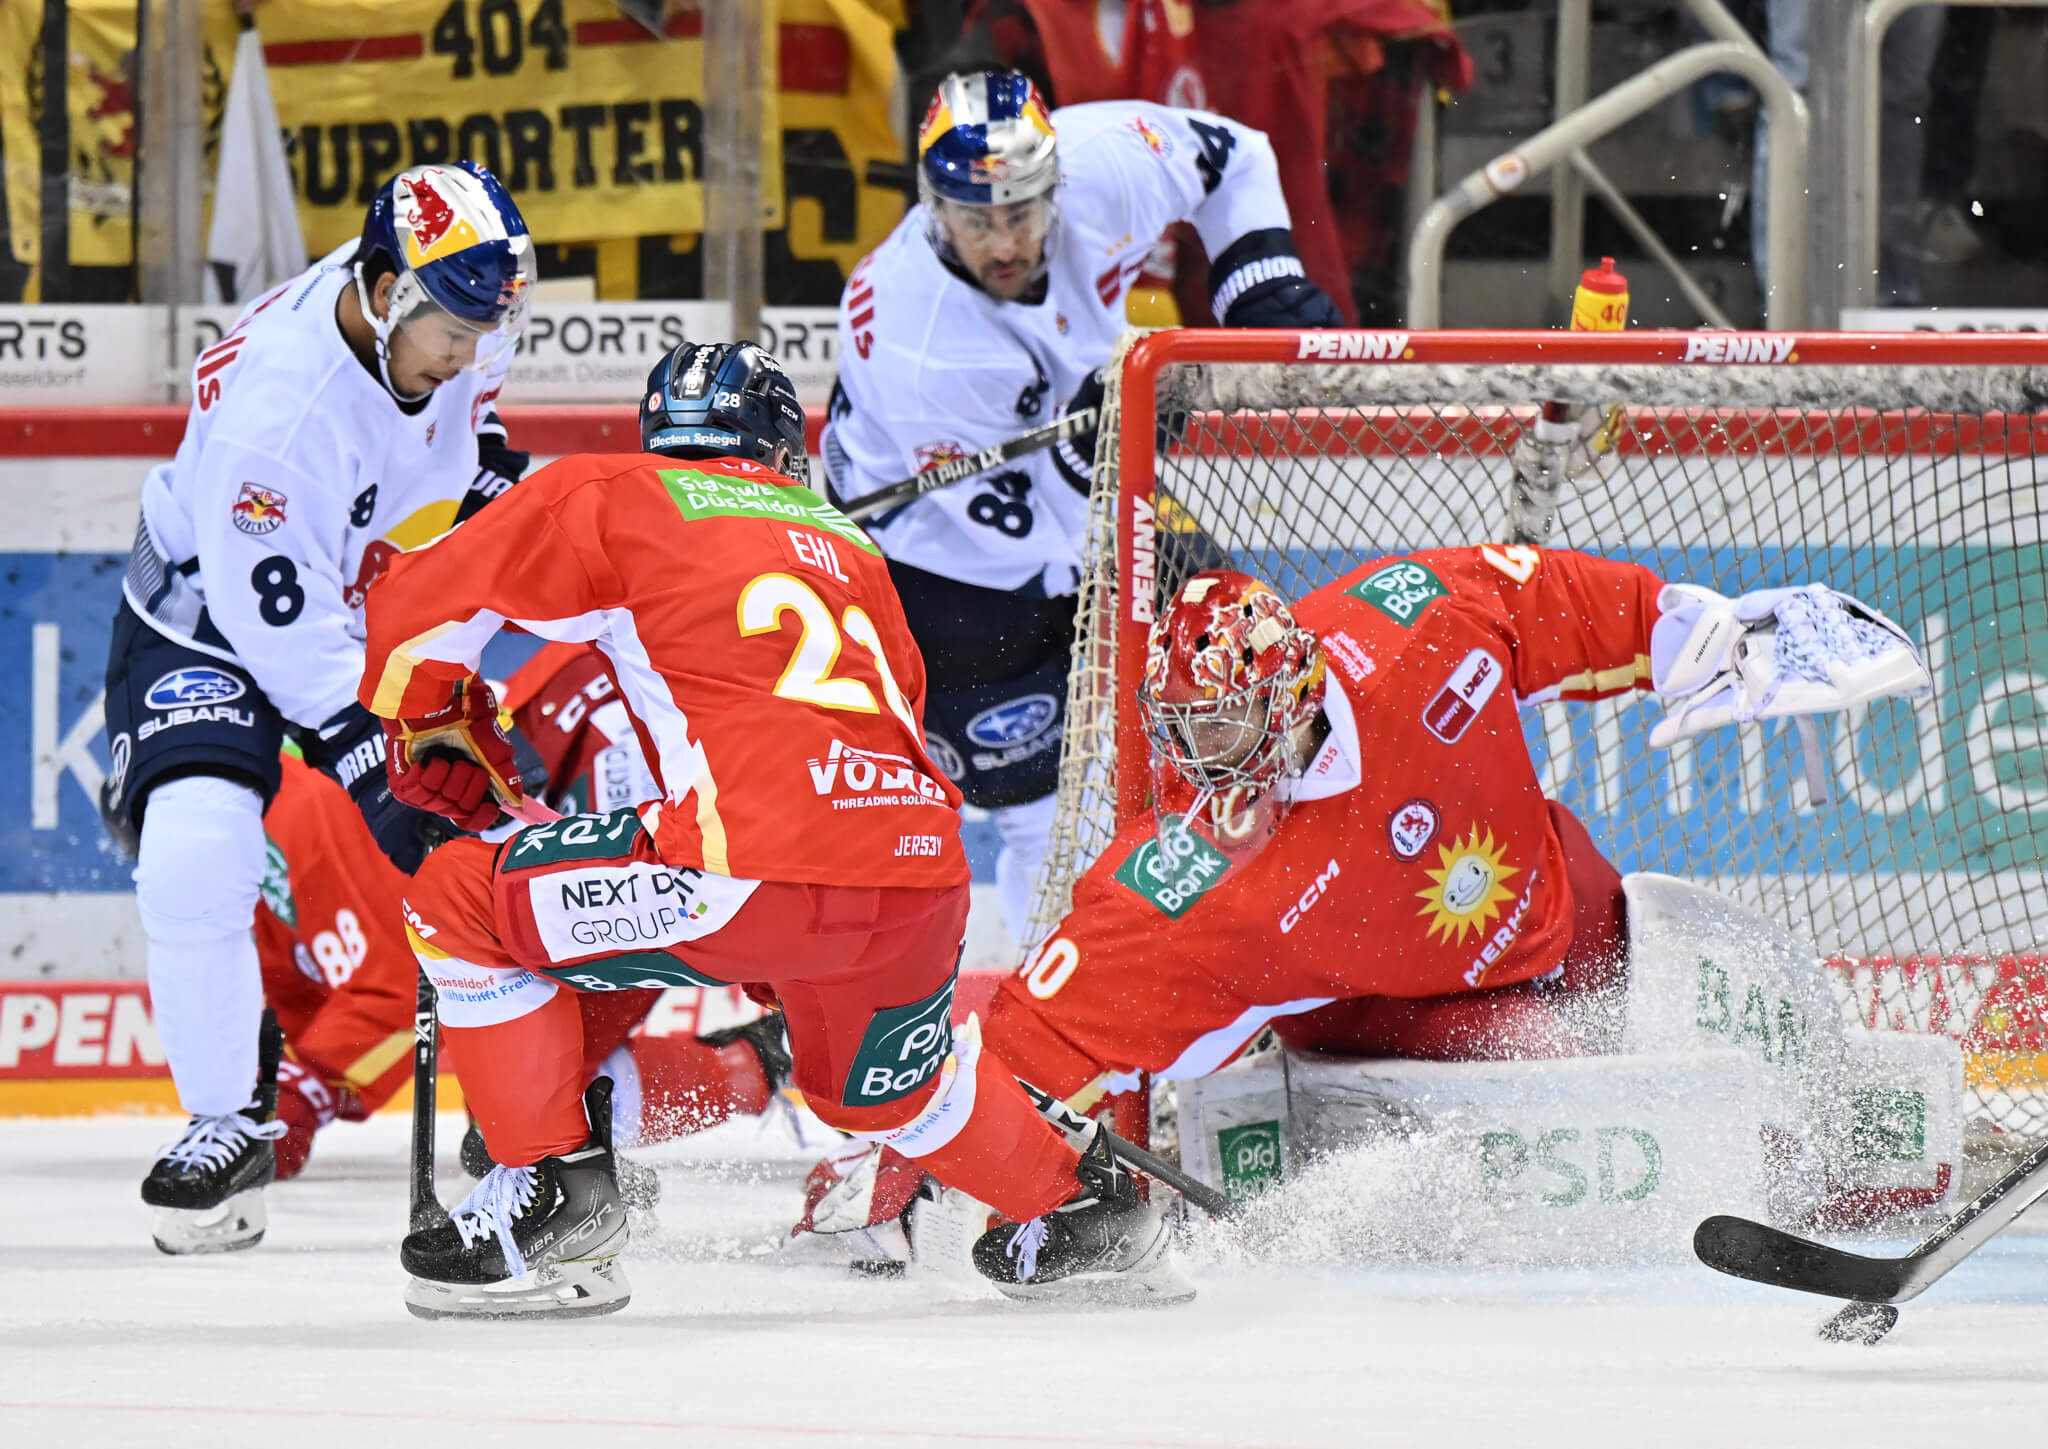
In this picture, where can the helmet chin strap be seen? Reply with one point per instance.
(382, 327)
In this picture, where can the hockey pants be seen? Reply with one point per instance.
(864, 976)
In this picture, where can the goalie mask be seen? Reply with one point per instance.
(988, 172)
(1231, 690)
(464, 266)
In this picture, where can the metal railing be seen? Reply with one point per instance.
(1562, 143)
(1862, 137)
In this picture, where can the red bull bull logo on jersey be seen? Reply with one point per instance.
(259, 510)
(1154, 138)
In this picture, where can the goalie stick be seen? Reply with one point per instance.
(1745, 1249)
(909, 490)
(1203, 1196)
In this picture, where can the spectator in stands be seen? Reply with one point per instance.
(1906, 64)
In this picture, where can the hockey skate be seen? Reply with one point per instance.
(207, 1188)
(1104, 1245)
(539, 1241)
(639, 1184)
(769, 1042)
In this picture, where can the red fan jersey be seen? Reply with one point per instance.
(1419, 858)
(330, 934)
(756, 639)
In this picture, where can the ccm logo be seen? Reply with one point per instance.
(1315, 892)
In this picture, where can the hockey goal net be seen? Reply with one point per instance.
(1908, 470)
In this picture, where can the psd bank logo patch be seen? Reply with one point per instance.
(1013, 722)
(197, 685)
(904, 1046)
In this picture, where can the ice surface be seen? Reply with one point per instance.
(303, 1343)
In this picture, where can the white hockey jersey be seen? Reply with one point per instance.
(299, 479)
(931, 367)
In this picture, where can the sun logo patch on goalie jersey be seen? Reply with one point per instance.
(1467, 893)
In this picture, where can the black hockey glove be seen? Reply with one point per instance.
(1259, 282)
(350, 749)
(1075, 458)
(498, 468)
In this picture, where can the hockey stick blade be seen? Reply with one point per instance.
(944, 475)
(1745, 1249)
(1764, 1254)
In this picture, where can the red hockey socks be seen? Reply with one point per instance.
(524, 1080)
(687, 1086)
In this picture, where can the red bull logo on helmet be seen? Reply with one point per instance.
(435, 217)
(1036, 114)
(937, 121)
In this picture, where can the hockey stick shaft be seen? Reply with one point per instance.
(1763, 1254)
(944, 475)
(1203, 1196)
(425, 1208)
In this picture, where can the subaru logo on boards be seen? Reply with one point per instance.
(1014, 721)
(193, 686)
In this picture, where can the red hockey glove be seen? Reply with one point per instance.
(305, 1104)
(456, 761)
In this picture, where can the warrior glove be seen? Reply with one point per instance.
(458, 761)
(1075, 456)
(1259, 282)
(350, 748)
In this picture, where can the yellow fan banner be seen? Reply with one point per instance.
(594, 124)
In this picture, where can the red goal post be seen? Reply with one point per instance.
(1910, 469)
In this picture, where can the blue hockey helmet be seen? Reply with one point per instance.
(987, 155)
(724, 400)
(987, 140)
(464, 263)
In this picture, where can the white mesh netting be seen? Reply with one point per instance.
(1919, 489)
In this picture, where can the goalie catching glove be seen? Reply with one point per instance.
(1772, 653)
(457, 762)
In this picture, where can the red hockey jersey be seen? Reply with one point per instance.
(1419, 858)
(330, 934)
(756, 638)
(570, 710)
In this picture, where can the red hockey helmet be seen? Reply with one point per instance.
(1229, 678)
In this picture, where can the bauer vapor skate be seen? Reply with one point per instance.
(207, 1188)
(530, 1242)
(639, 1184)
(1105, 1244)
